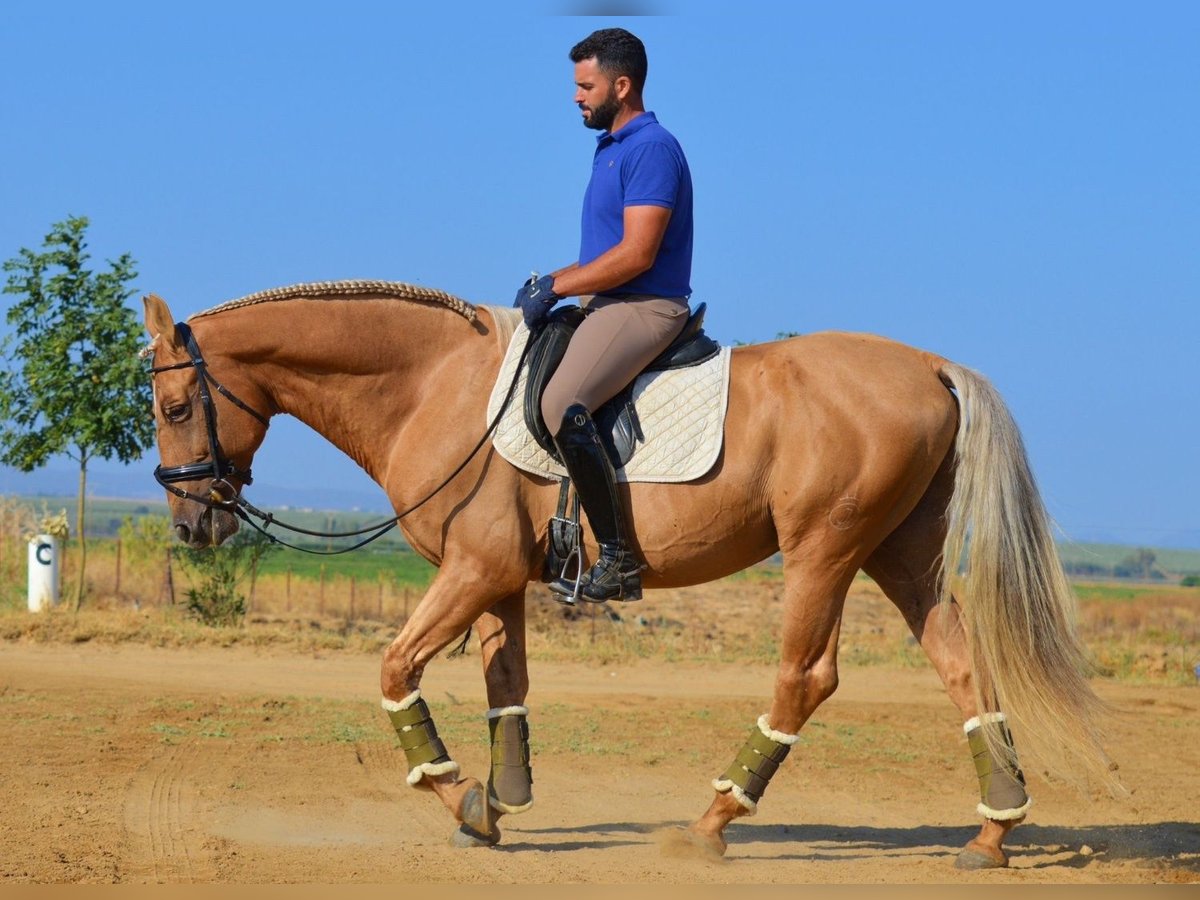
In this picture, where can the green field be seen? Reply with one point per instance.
(104, 517)
(401, 566)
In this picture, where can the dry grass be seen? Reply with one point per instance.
(1143, 635)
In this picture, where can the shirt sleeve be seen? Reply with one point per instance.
(651, 176)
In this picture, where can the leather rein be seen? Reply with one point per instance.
(220, 468)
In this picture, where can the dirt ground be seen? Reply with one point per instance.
(129, 763)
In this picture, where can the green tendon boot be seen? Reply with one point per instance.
(424, 750)
(510, 785)
(1002, 794)
(750, 773)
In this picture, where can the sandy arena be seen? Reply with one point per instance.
(129, 763)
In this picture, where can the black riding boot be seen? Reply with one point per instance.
(617, 573)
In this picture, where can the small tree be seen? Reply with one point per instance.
(71, 382)
(1138, 565)
(214, 599)
(147, 541)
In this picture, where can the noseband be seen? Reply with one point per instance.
(218, 467)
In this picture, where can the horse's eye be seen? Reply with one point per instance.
(177, 413)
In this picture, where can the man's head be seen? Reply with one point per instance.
(610, 72)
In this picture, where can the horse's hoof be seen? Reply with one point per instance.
(467, 838)
(474, 812)
(979, 856)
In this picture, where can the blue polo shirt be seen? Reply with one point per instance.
(641, 165)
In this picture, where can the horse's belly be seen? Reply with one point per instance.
(690, 534)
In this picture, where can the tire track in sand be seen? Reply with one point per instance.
(159, 804)
(385, 768)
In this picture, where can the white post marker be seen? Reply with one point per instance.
(43, 572)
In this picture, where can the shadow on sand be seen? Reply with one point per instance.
(1173, 844)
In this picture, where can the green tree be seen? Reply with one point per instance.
(1140, 564)
(147, 540)
(71, 381)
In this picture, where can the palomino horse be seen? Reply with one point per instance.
(841, 451)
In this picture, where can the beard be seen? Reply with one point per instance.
(604, 115)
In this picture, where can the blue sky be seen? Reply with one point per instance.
(1014, 186)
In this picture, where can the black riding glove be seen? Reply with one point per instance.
(535, 299)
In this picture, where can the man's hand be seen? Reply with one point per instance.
(535, 299)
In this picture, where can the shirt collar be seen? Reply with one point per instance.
(640, 121)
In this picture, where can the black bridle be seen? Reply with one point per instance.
(220, 468)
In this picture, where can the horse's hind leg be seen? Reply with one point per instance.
(905, 566)
(815, 590)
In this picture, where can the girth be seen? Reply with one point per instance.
(617, 419)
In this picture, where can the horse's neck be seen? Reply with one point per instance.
(356, 371)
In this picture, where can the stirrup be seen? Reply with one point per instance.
(565, 588)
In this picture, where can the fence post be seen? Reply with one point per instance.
(253, 582)
(352, 585)
(168, 585)
(117, 579)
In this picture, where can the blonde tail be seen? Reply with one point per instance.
(1019, 609)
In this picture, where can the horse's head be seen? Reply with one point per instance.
(207, 431)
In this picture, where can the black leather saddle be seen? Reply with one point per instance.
(617, 419)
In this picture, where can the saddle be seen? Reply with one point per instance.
(616, 420)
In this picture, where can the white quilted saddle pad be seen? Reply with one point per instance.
(681, 412)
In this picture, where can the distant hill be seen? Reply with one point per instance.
(138, 484)
(1114, 560)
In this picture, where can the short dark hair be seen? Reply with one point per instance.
(617, 53)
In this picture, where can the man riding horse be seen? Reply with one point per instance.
(841, 452)
(635, 261)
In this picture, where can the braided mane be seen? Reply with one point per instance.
(343, 290)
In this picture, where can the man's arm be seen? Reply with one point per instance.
(644, 230)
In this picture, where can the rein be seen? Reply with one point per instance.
(219, 468)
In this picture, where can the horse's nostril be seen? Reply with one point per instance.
(183, 532)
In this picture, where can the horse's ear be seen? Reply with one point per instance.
(161, 324)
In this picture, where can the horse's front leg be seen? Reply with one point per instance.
(457, 597)
(501, 633)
